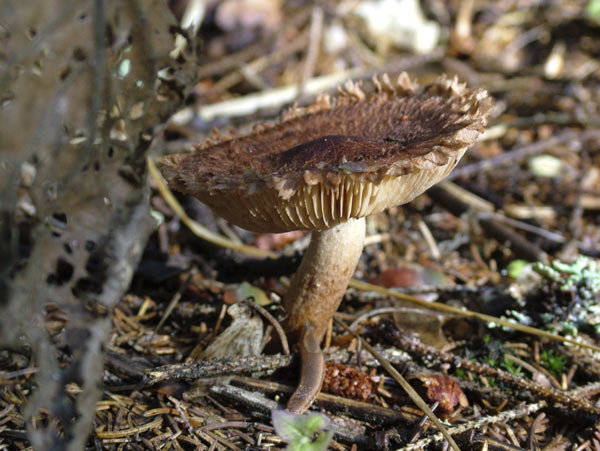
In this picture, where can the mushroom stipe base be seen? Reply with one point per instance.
(313, 297)
(312, 373)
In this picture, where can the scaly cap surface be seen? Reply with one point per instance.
(346, 156)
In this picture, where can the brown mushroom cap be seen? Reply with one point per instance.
(340, 158)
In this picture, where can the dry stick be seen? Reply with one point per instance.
(253, 68)
(586, 391)
(278, 97)
(421, 423)
(274, 98)
(216, 368)
(363, 411)
(457, 206)
(500, 418)
(252, 364)
(405, 385)
(546, 234)
(478, 424)
(274, 323)
(534, 427)
(184, 415)
(213, 437)
(312, 53)
(196, 228)
(519, 152)
(450, 289)
(173, 303)
(486, 209)
(588, 364)
(220, 319)
(416, 346)
(457, 200)
(230, 62)
(534, 369)
(129, 432)
(259, 405)
(375, 312)
(434, 251)
(226, 424)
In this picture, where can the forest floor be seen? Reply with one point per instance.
(514, 233)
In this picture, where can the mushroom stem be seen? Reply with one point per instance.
(318, 286)
(314, 295)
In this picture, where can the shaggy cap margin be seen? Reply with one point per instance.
(343, 157)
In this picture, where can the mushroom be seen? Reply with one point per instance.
(324, 168)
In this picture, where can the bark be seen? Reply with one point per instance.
(81, 101)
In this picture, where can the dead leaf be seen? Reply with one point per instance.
(445, 390)
(242, 338)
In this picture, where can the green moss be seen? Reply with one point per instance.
(553, 362)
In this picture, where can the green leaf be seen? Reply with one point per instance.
(314, 423)
(592, 10)
(303, 432)
(516, 267)
(247, 290)
(287, 425)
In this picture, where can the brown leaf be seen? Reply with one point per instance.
(397, 278)
(445, 390)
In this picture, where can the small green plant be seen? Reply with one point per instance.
(592, 10)
(512, 367)
(309, 432)
(553, 362)
(490, 361)
(516, 267)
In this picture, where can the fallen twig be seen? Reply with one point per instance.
(520, 152)
(478, 424)
(216, 367)
(414, 346)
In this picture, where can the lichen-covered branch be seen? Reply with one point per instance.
(85, 87)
